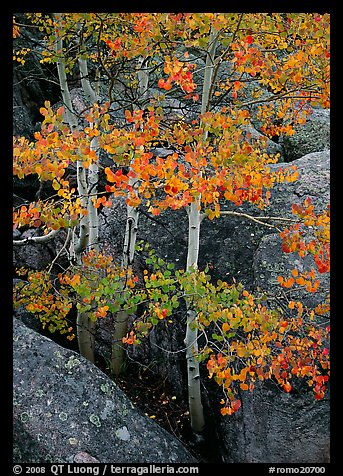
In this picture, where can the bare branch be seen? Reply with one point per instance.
(36, 239)
(61, 250)
(259, 220)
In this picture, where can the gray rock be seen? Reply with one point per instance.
(22, 125)
(313, 182)
(313, 136)
(32, 255)
(70, 411)
(276, 427)
(22, 120)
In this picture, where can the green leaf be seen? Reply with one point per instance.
(175, 302)
(217, 337)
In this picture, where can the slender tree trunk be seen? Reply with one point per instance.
(93, 179)
(93, 170)
(89, 239)
(194, 220)
(193, 372)
(118, 351)
(122, 317)
(86, 326)
(86, 184)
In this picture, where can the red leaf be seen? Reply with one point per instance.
(236, 404)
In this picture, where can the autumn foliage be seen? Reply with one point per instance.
(274, 67)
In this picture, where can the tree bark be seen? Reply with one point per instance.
(191, 340)
(122, 317)
(86, 184)
(194, 221)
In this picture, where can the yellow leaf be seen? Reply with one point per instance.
(55, 185)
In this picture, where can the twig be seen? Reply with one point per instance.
(62, 249)
(258, 219)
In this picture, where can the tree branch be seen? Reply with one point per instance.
(36, 239)
(259, 220)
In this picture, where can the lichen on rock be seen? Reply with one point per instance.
(108, 428)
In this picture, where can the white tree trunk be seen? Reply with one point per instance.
(93, 179)
(194, 221)
(86, 185)
(191, 339)
(122, 317)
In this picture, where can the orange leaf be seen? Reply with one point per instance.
(155, 211)
(226, 411)
(110, 175)
(128, 115)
